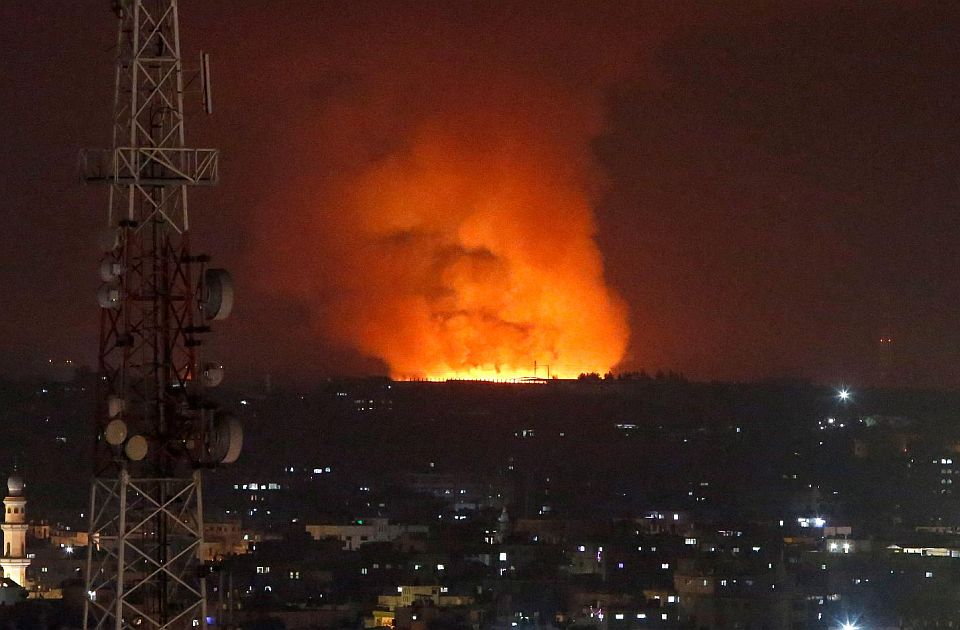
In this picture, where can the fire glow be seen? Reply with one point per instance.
(477, 262)
(446, 225)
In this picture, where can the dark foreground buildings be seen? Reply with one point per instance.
(600, 503)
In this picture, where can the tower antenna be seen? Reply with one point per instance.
(156, 429)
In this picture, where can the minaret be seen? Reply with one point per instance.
(14, 561)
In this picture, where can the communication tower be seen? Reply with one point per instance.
(156, 428)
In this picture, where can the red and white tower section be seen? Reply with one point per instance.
(14, 561)
(157, 425)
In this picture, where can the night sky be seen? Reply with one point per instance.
(771, 188)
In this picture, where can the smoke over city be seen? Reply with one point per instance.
(446, 225)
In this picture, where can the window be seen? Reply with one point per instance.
(263, 569)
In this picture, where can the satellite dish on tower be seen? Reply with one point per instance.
(218, 293)
(108, 296)
(222, 441)
(230, 432)
(212, 374)
(136, 448)
(116, 432)
(108, 239)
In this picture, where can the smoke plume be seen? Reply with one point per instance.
(444, 223)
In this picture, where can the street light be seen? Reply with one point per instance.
(844, 394)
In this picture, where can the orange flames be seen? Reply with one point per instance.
(446, 225)
(473, 258)
(477, 261)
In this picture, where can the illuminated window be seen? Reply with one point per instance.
(263, 569)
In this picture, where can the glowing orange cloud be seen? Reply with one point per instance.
(476, 261)
(444, 222)
(472, 257)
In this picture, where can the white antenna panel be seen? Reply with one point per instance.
(110, 270)
(115, 406)
(206, 83)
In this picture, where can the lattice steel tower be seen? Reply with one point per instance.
(156, 428)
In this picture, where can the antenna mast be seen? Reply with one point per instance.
(156, 428)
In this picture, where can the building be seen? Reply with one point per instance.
(221, 539)
(364, 531)
(14, 561)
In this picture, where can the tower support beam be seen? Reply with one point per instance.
(154, 423)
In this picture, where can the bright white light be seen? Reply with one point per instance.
(843, 394)
(849, 626)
